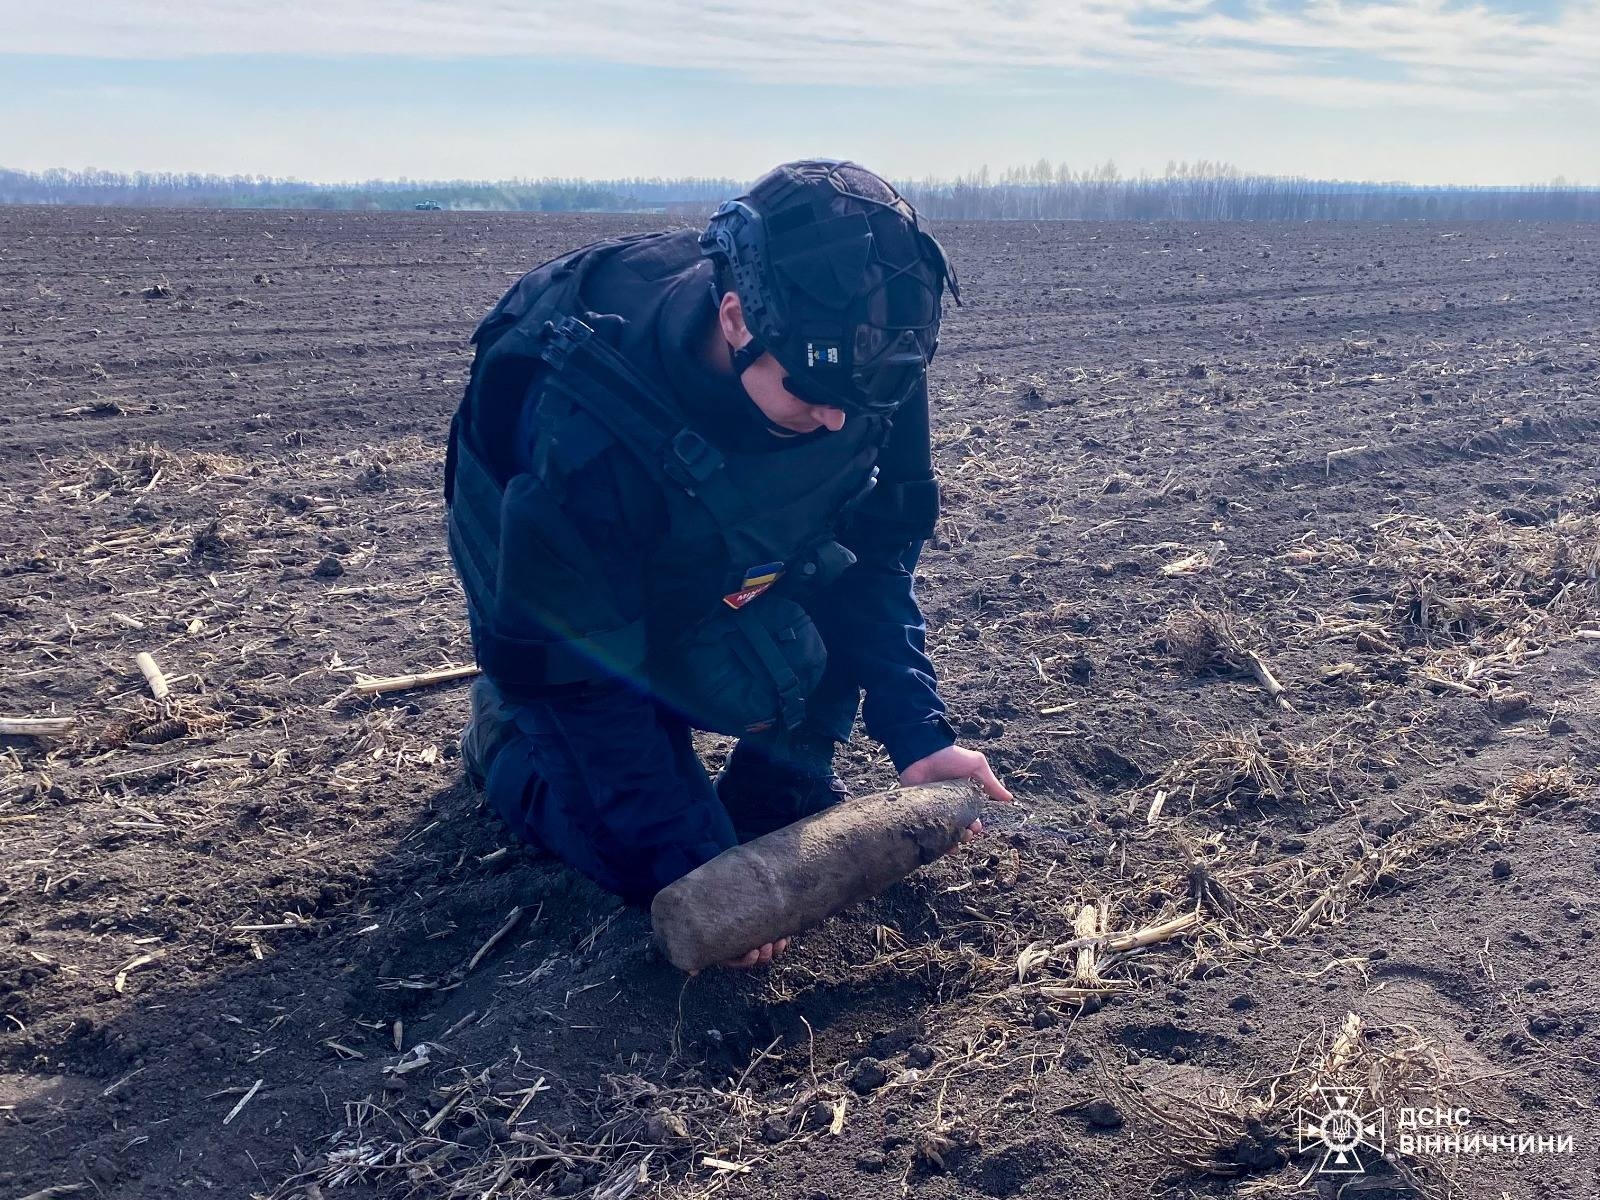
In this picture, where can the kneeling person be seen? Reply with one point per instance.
(687, 487)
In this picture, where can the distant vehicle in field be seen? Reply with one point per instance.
(428, 206)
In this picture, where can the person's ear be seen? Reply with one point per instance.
(730, 315)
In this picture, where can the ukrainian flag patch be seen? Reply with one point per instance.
(756, 580)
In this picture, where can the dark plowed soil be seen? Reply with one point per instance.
(259, 938)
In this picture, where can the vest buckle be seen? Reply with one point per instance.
(560, 338)
(691, 459)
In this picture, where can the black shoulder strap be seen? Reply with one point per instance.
(508, 344)
(589, 372)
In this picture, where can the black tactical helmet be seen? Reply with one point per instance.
(836, 279)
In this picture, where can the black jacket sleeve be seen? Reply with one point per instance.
(872, 620)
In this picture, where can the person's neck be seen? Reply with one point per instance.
(717, 355)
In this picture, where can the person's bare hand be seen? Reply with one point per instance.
(957, 762)
(760, 955)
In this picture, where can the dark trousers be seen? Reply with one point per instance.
(589, 784)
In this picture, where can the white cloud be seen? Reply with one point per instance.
(1369, 53)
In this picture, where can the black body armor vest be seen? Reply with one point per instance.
(578, 338)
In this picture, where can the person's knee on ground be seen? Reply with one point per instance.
(544, 797)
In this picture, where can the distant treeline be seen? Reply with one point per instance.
(1202, 191)
(1207, 191)
(169, 189)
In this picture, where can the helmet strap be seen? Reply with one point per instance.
(745, 356)
(742, 358)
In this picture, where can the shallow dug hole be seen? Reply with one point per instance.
(257, 938)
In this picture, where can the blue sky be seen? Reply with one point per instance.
(1426, 90)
